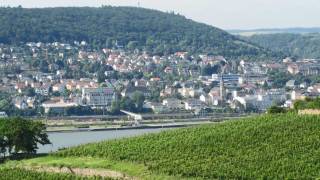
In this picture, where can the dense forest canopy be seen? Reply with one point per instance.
(299, 45)
(133, 28)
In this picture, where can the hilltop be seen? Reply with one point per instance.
(269, 146)
(129, 27)
(297, 30)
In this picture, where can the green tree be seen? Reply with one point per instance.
(101, 76)
(30, 92)
(138, 99)
(127, 104)
(23, 136)
(276, 110)
(115, 107)
(208, 70)
(3, 145)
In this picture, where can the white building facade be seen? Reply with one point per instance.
(98, 97)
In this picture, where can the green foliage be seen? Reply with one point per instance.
(279, 78)
(29, 91)
(265, 147)
(155, 95)
(299, 45)
(127, 104)
(307, 104)
(128, 27)
(17, 174)
(276, 110)
(79, 111)
(208, 70)
(115, 107)
(138, 98)
(126, 168)
(134, 104)
(18, 135)
(5, 102)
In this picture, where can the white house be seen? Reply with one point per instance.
(43, 90)
(173, 103)
(57, 106)
(193, 104)
(156, 107)
(21, 103)
(98, 97)
(59, 87)
(262, 101)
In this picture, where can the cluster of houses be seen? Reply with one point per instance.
(241, 85)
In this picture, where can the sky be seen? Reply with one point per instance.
(225, 14)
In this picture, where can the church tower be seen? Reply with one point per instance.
(222, 89)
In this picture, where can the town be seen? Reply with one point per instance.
(57, 79)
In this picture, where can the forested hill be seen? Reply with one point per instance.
(154, 31)
(299, 45)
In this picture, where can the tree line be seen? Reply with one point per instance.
(21, 136)
(295, 45)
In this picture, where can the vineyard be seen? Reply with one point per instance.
(20, 174)
(270, 146)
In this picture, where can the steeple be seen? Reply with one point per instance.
(222, 88)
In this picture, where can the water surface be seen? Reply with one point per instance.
(68, 139)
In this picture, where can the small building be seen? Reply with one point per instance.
(293, 69)
(129, 91)
(21, 104)
(291, 84)
(157, 108)
(173, 103)
(43, 90)
(201, 112)
(140, 83)
(253, 79)
(57, 106)
(193, 104)
(3, 114)
(298, 95)
(59, 88)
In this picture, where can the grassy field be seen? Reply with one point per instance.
(21, 174)
(270, 146)
(128, 169)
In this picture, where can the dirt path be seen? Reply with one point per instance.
(82, 172)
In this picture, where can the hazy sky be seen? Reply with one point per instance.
(226, 14)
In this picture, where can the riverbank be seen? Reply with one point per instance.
(150, 126)
(79, 126)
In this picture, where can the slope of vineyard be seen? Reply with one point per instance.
(270, 146)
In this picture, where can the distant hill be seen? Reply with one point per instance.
(299, 45)
(128, 27)
(297, 30)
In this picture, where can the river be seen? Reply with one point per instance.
(68, 139)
